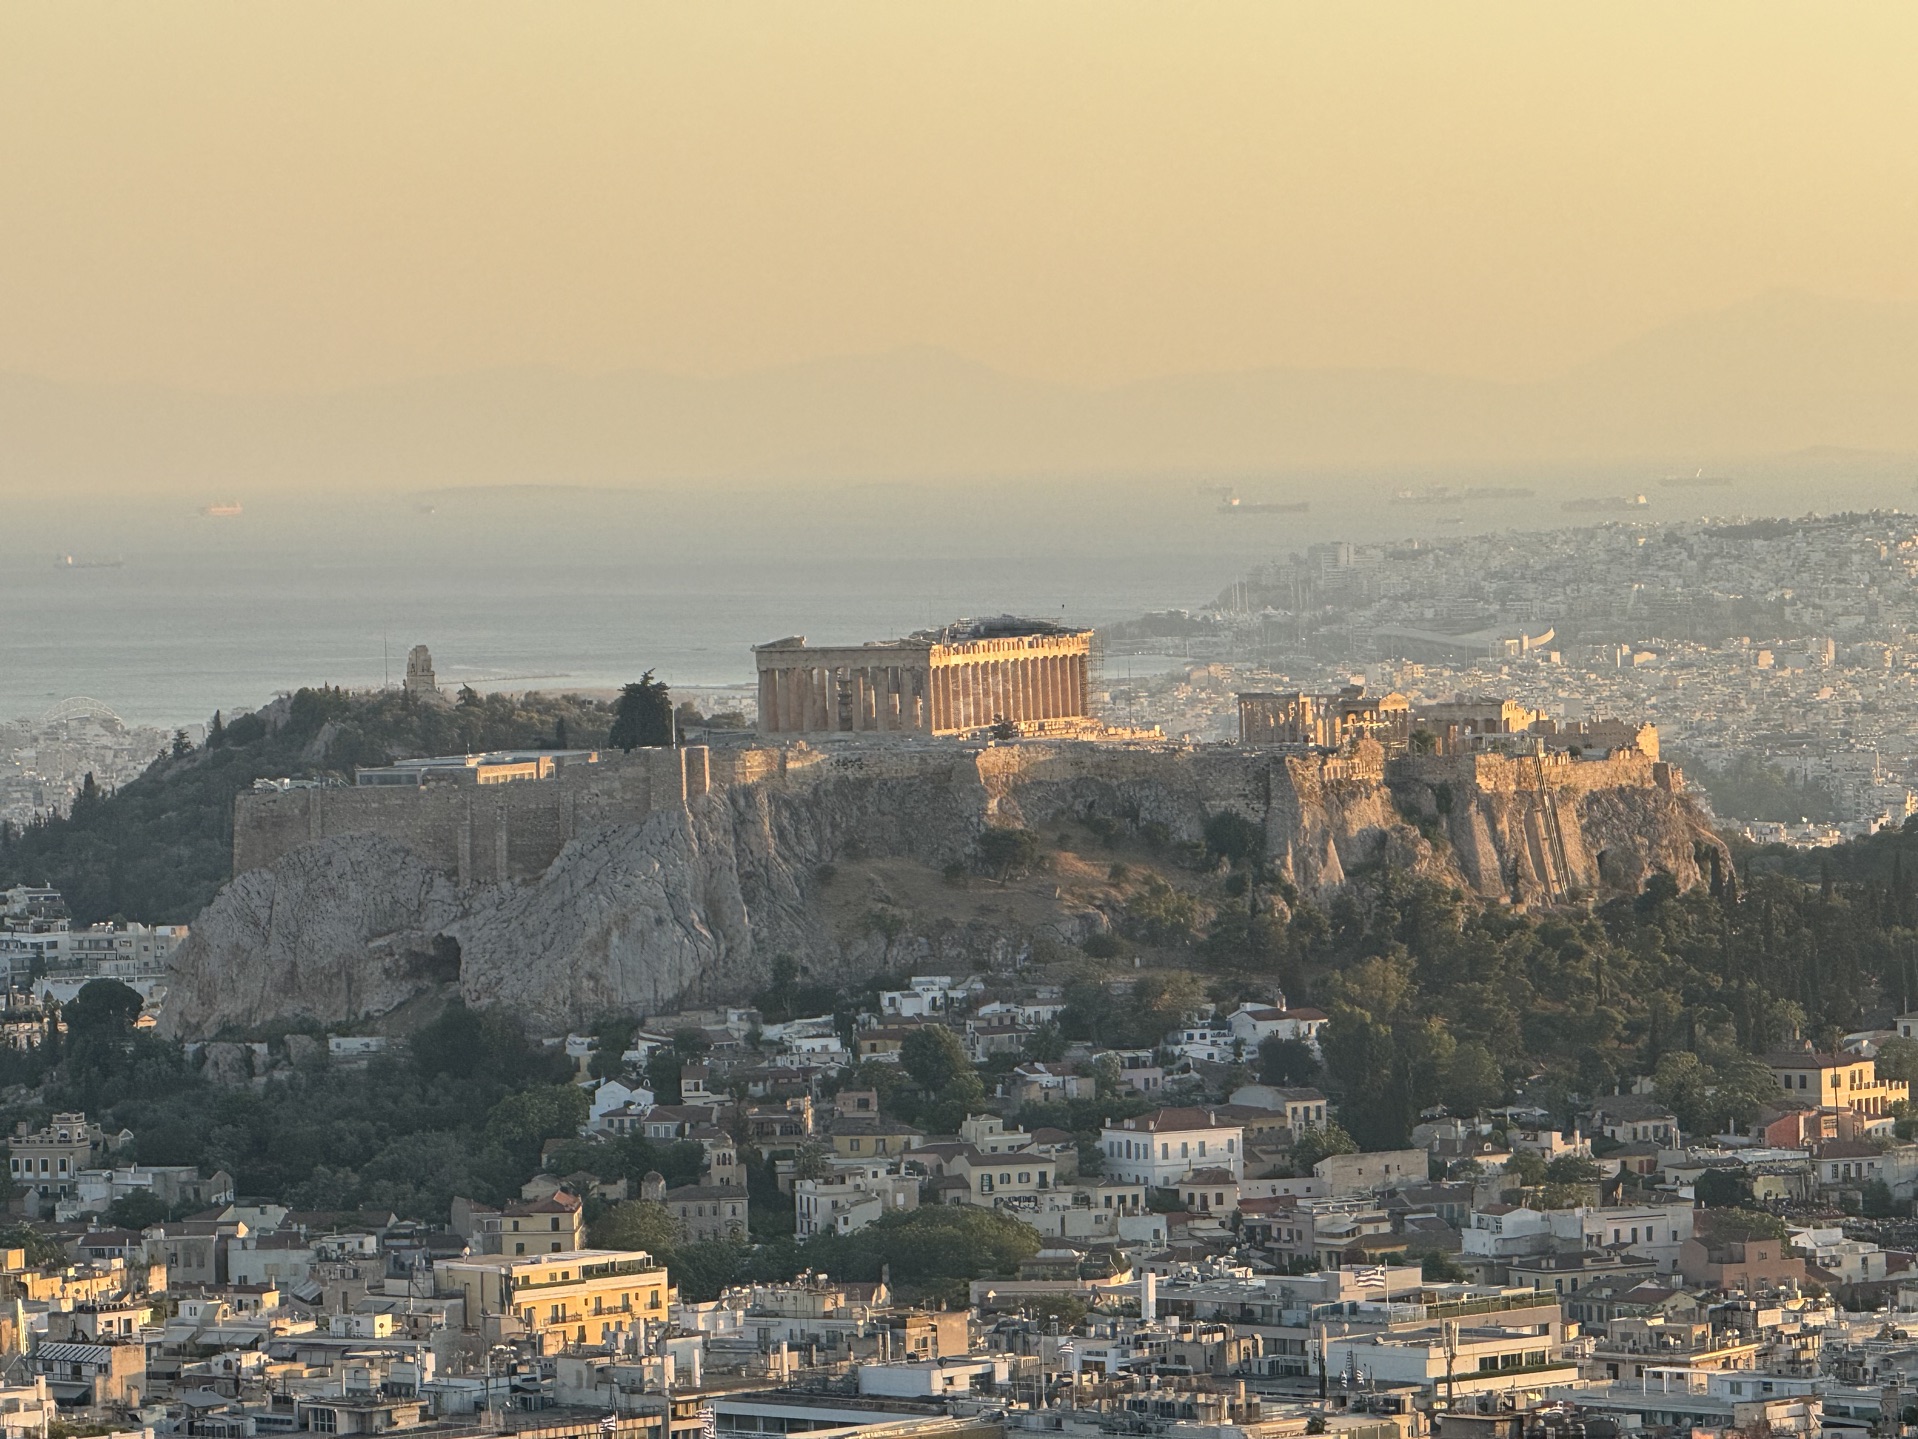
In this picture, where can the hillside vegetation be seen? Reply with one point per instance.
(157, 850)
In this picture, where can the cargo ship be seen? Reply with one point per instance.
(1231, 504)
(223, 510)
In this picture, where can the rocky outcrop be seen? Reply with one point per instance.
(340, 929)
(693, 902)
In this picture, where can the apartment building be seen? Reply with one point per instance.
(586, 1296)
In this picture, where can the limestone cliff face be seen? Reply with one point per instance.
(342, 929)
(693, 902)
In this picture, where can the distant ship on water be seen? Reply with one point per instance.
(1231, 504)
(1600, 503)
(71, 562)
(1446, 495)
(1699, 481)
(224, 509)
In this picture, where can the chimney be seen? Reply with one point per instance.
(1148, 1297)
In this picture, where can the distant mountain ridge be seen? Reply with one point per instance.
(1781, 373)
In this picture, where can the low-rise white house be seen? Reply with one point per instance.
(929, 994)
(611, 1094)
(1252, 1025)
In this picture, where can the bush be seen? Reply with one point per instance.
(1162, 914)
(1006, 852)
(1233, 837)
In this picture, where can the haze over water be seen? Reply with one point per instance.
(582, 589)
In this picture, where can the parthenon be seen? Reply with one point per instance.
(967, 676)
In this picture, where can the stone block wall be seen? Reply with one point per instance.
(479, 834)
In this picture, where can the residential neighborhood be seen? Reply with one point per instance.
(1205, 1252)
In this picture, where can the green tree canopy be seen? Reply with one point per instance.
(638, 1224)
(1007, 852)
(523, 1121)
(1287, 1061)
(643, 716)
(137, 1210)
(1231, 836)
(1316, 1144)
(104, 1005)
(934, 1057)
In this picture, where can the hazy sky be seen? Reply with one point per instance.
(240, 196)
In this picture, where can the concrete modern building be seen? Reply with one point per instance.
(970, 675)
(1837, 1079)
(585, 1296)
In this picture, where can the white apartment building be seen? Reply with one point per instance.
(132, 951)
(1503, 1232)
(1161, 1148)
(853, 1198)
(1853, 1261)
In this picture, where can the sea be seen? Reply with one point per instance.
(164, 613)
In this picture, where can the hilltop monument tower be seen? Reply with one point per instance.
(420, 681)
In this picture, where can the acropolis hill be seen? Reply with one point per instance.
(636, 882)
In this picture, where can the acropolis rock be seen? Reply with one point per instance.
(639, 888)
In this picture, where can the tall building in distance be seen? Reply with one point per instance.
(967, 676)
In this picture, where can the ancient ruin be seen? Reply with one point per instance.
(1325, 721)
(972, 675)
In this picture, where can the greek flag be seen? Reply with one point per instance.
(708, 1422)
(1371, 1276)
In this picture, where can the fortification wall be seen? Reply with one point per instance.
(478, 834)
(1511, 774)
(1320, 813)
